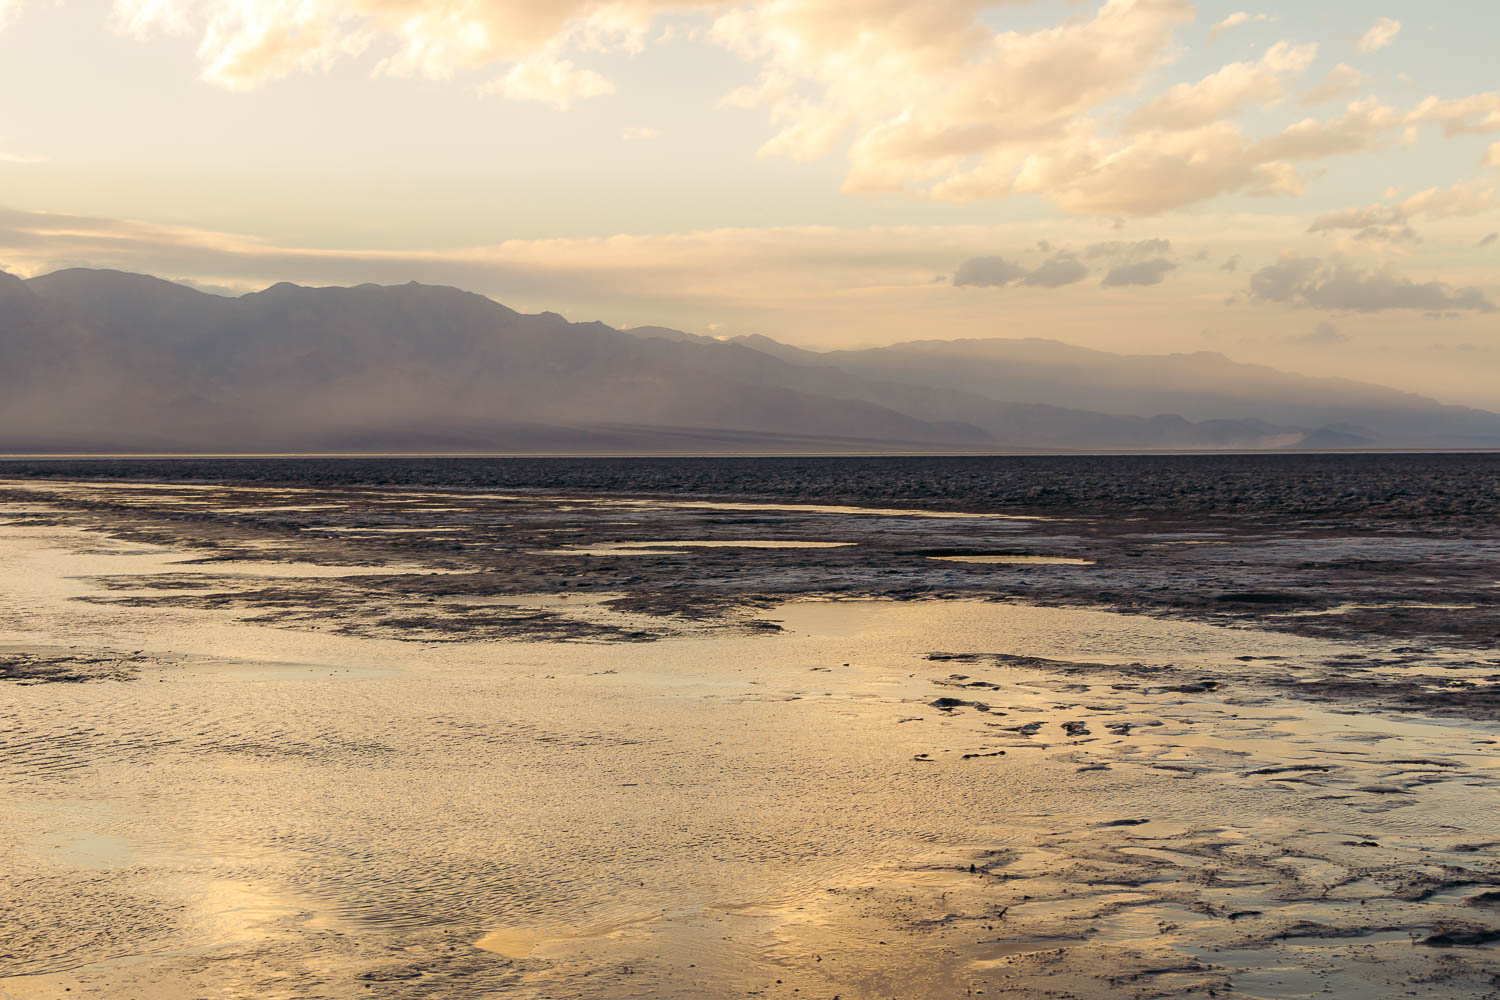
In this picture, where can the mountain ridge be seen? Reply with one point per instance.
(112, 361)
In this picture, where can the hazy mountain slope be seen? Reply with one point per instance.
(150, 364)
(1197, 386)
(1021, 424)
(100, 360)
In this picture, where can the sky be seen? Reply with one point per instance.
(1305, 185)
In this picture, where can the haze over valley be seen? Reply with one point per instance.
(105, 361)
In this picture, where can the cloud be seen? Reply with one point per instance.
(988, 272)
(1489, 239)
(1336, 284)
(1056, 271)
(1492, 156)
(1232, 264)
(1391, 223)
(1158, 171)
(1235, 20)
(1142, 262)
(1062, 268)
(937, 102)
(1364, 125)
(1340, 82)
(1137, 250)
(938, 107)
(8, 11)
(1225, 93)
(552, 81)
(929, 99)
(1462, 200)
(1323, 335)
(640, 133)
(245, 43)
(21, 158)
(1146, 272)
(1380, 34)
(1473, 115)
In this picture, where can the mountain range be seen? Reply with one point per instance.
(104, 361)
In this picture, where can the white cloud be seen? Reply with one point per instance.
(1473, 115)
(931, 100)
(1391, 223)
(1235, 20)
(1340, 82)
(1380, 34)
(1492, 156)
(640, 133)
(8, 11)
(245, 43)
(938, 110)
(1364, 125)
(1158, 171)
(1225, 93)
(552, 81)
(1462, 200)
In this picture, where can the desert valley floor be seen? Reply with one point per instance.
(278, 732)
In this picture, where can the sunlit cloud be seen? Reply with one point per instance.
(549, 80)
(930, 101)
(1235, 20)
(1380, 34)
(1473, 115)
(244, 43)
(1392, 222)
(1225, 93)
(1340, 82)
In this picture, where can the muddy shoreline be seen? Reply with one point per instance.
(292, 741)
(1432, 582)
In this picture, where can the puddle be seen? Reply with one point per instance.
(524, 942)
(667, 548)
(1017, 560)
(340, 529)
(827, 509)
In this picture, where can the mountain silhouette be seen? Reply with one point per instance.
(104, 361)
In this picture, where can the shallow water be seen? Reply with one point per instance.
(999, 560)
(289, 812)
(677, 547)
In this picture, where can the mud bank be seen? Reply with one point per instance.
(295, 761)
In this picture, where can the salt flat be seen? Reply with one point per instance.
(229, 773)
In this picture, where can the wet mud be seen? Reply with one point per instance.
(297, 741)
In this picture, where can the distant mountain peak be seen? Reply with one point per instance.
(106, 360)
